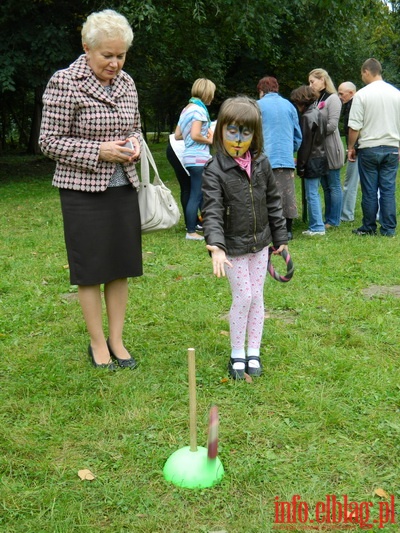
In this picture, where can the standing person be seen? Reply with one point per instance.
(90, 112)
(242, 215)
(330, 106)
(282, 137)
(194, 128)
(312, 162)
(374, 123)
(346, 91)
(174, 153)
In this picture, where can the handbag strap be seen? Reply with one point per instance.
(146, 161)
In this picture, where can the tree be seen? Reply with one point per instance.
(232, 42)
(37, 38)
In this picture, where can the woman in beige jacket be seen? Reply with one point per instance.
(330, 106)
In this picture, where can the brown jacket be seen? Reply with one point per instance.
(78, 115)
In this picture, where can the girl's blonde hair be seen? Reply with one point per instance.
(106, 24)
(242, 111)
(204, 89)
(322, 74)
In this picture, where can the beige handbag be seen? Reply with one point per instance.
(158, 208)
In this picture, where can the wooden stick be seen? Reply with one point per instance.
(192, 399)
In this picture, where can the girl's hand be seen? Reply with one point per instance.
(116, 152)
(178, 134)
(219, 260)
(280, 249)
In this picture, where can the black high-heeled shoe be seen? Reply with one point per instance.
(109, 365)
(123, 363)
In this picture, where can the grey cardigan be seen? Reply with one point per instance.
(333, 143)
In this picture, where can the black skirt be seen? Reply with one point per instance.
(102, 234)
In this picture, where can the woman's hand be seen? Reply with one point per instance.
(116, 152)
(196, 135)
(178, 134)
(219, 260)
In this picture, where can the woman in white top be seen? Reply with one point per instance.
(194, 128)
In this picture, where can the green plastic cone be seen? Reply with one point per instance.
(193, 470)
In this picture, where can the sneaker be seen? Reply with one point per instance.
(312, 233)
(361, 232)
(194, 237)
(199, 227)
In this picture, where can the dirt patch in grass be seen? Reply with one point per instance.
(381, 290)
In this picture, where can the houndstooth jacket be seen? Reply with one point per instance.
(78, 115)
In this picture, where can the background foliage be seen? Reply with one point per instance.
(232, 42)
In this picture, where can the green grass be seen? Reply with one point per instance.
(324, 418)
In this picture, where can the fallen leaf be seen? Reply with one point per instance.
(86, 475)
(248, 378)
(351, 515)
(66, 267)
(226, 333)
(224, 380)
(381, 493)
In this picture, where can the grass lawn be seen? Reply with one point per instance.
(323, 420)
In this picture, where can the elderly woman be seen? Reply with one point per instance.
(91, 128)
(330, 106)
(194, 127)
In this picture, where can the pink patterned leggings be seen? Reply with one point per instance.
(247, 279)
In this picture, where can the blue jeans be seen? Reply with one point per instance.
(315, 221)
(333, 197)
(195, 198)
(350, 188)
(378, 169)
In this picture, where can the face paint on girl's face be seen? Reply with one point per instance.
(237, 139)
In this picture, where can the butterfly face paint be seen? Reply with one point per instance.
(237, 139)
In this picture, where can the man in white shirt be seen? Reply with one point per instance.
(374, 123)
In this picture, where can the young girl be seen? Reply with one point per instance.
(242, 215)
(312, 163)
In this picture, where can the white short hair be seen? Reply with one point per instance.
(106, 24)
